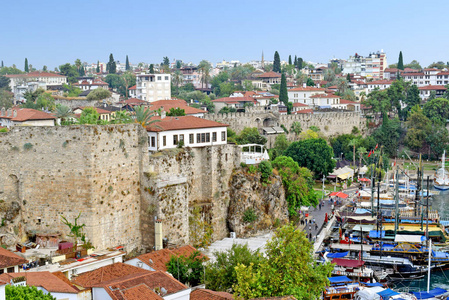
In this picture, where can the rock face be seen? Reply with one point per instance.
(255, 206)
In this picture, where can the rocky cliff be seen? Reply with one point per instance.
(255, 206)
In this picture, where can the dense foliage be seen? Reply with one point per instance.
(188, 270)
(288, 268)
(25, 293)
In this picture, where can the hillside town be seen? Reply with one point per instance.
(225, 153)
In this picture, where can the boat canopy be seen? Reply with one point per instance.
(339, 279)
(375, 234)
(348, 263)
(337, 254)
(365, 228)
(373, 284)
(437, 292)
(385, 294)
(407, 238)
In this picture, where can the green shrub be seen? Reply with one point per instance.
(265, 170)
(243, 165)
(252, 169)
(249, 216)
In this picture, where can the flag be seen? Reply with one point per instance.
(377, 145)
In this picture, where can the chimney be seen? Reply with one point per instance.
(304, 84)
(9, 112)
(14, 113)
(163, 114)
(158, 235)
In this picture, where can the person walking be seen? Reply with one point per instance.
(319, 205)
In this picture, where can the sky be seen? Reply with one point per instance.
(52, 32)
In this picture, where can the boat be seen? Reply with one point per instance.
(377, 292)
(441, 180)
(341, 287)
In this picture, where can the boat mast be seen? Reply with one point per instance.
(396, 214)
(428, 267)
(442, 165)
(427, 213)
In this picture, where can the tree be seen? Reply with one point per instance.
(388, 135)
(70, 71)
(99, 94)
(438, 141)
(2, 65)
(178, 64)
(63, 112)
(314, 154)
(121, 117)
(353, 143)
(250, 135)
(414, 64)
(297, 182)
(310, 82)
(348, 77)
(400, 61)
(176, 112)
(17, 292)
(177, 79)
(437, 110)
(299, 63)
(289, 268)
(204, 67)
(129, 79)
(26, 69)
(277, 63)
(144, 115)
(283, 94)
(221, 274)
(296, 127)
(89, 116)
(44, 68)
(419, 128)
(127, 67)
(290, 60)
(4, 83)
(281, 143)
(112, 68)
(10, 71)
(295, 62)
(411, 100)
(98, 66)
(151, 69)
(6, 99)
(81, 71)
(188, 270)
(76, 230)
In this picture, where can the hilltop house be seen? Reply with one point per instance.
(264, 81)
(168, 132)
(303, 94)
(91, 83)
(233, 102)
(25, 117)
(166, 105)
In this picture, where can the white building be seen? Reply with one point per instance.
(168, 132)
(303, 94)
(372, 66)
(25, 117)
(46, 78)
(152, 87)
(91, 83)
(378, 84)
(424, 91)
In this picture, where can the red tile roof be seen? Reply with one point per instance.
(35, 74)
(270, 74)
(204, 294)
(299, 104)
(307, 89)
(324, 96)
(139, 292)
(380, 82)
(99, 110)
(107, 273)
(344, 101)
(303, 111)
(413, 74)
(443, 73)
(45, 279)
(28, 114)
(154, 280)
(432, 88)
(234, 99)
(431, 69)
(132, 88)
(166, 105)
(180, 123)
(9, 259)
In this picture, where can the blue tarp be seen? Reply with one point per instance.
(375, 233)
(339, 279)
(387, 293)
(423, 295)
(337, 254)
(437, 292)
(373, 284)
(362, 211)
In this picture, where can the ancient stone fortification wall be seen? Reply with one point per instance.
(78, 102)
(61, 171)
(330, 123)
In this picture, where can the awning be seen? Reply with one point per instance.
(339, 279)
(337, 254)
(344, 176)
(269, 130)
(339, 195)
(437, 292)
(387, 293)
(365, 228)
(375, 234)
(349, 263)
(406, 238)
(423, 295)
(373, 284)
(364, 179)
(278, 129)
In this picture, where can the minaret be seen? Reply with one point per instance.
(262, 61)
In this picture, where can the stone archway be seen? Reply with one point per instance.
(269, 122)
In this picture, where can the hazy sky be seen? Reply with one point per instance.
(52, 32)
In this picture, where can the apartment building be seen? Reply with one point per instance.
(371, 66)
(153, 87)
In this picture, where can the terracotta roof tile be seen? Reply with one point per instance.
(234, 99)
(184, 122)
(139, 292)
(307, 89)
(166, 105)
(432, 88)
(157, 259)
(204, 294)
(45, 279)
(324, 96)
(303, 111)
(380, 82)
(344, 101)
(132, 88)
(413, 74)
(270, 74)
(9, 259)
(35, 74)
(107, 273)
(28, 114)
(297, 104)
(99, 110)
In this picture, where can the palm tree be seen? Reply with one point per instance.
(63, 112)
(296, 128)
(204, 67)
(361, 151)
(352, 143)
(177, 79)
(144, 115)
(121, 117)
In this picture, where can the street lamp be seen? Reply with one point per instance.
(341, 156)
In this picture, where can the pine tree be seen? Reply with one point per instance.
(127, 64)
(283, 94)
(151, 69)
(98, 66)
(2, 64)
(111, 67)
(400, 61)
(290, 60)
(276, 63)
(44, 68)
(26, 65)
(81, 71)
(296, 61)
(299, 63)
(348, 77)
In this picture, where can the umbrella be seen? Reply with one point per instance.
(364, 179)
(339, 195)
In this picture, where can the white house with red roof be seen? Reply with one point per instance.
(132, 92)
(303, 94)
(166, 105)
(378, 84)
(25, 117)
(43, 77)
(265, 80)
(232, 102)
(91, 83)
(168, 132)
(424, 91)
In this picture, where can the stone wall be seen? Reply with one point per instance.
(52, 172)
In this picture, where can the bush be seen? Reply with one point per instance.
(249, 216)
(265, 170)
(252, 169)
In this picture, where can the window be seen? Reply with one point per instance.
(2, 271)
(10, 270)
(166, 77)
(175, 139)
(191, 140)
(159, 78)
(181, 137)
(223, 136)
(203, 138)
(164, 141)
(198, 138)
(153, 141)
(214, 136)
(208, 137)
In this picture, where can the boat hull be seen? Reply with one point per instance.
(442, 187)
